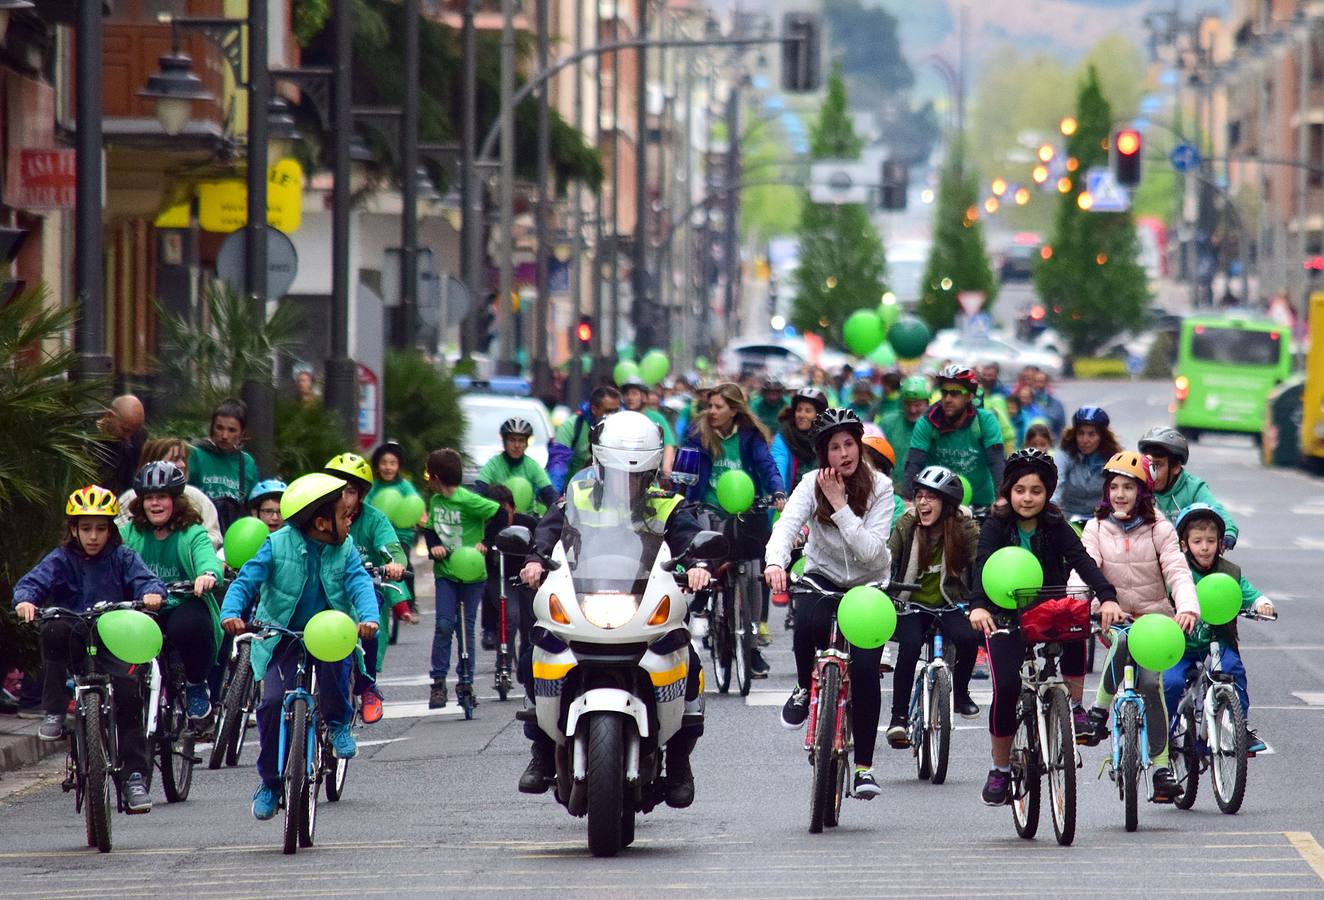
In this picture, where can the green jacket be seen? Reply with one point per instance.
(196, 557)
(1188, 489)
(406, 536)
(377, 543)
(897, 431)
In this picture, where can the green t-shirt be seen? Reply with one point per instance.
(458, 520)
(930, 582)
(498, 470)
(668, 433)
(897, 431)
(728, 461)
(162, 556)
(1025, 536)
(963, 451)
(222, 476)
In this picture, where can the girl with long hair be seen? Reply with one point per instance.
(1086, 446)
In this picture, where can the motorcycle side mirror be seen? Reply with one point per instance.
(708, 546)
(514, 541)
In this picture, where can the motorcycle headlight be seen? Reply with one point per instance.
(609, 610)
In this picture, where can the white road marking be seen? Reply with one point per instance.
(1306, 543)
(419, 710)
(383, 741)
(404, 681)
(1310, 698)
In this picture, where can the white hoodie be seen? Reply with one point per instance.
(853, 553)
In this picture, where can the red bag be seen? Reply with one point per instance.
(1056, 619)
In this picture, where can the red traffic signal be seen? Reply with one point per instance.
(1127, 146)
(584, 330)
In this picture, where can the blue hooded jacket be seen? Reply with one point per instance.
(67, 578)
(755, 459)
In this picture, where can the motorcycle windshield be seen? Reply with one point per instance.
(609, 547)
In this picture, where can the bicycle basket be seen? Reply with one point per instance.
(1054, 614)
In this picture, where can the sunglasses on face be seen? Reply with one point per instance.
(955, 392)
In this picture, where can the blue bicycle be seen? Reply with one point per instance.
(1130, 741)
(931, 698)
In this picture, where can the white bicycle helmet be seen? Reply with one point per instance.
(628, 442)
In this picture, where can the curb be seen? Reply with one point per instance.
(19, 750)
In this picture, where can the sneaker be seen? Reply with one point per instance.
(198, 700)
(1254, 743)
(898, 732)
(966, 708)
(539, 773)
(1095, 731)
(136, 799)
(488, 639)
(758, 666)
(343, 745)
(981, 664)
(437, 699)
(266, 800)
(372, 706)
(997, 789)
(865, 785)
(764, 635)
(796, 709)
(1165, 786)
(1080, 720)
(52, 727)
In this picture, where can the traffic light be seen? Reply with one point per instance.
(895, 183)
(1127, 147)
(584, 332)
(801, 52)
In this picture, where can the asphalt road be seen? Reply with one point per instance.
(431, 806)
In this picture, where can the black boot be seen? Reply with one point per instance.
(680, 778)
(540, 772)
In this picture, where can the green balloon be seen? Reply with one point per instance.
(654, 366)
(889, 313)
(735, 492)
(132, 636)
(625, 370)
(866, 617)
(967, 491)
(883, 356)
(243, 539)
(798, 568)
(701, 364)
(909, 337)
(1156, 642)
(1009, 570)
(388, 501)
(408, 511)
(330, 635)
(522, 490)
(467, 565)
(1220, 598)
(863, 332)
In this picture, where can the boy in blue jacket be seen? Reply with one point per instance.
(304, 568)
(90, 566)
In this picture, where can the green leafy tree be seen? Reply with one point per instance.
(1092, 281)
(422, 409)
(768, 210)
(842, 265)
(957, 260)
(47, 445)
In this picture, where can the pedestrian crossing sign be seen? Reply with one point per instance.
(1109, 196)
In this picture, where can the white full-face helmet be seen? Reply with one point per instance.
(628, 442)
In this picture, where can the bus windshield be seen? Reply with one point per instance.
(1235, 346)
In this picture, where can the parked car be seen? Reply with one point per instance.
(774, 356)
(949, 345)
(484, 412)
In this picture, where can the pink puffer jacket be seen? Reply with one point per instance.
(1145, 565)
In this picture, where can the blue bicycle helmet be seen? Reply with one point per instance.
(1200, 512)
(270, 487)
(1091, 415)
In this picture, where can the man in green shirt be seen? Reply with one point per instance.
(514, 462)
(899, 425)
(958, 436)
(220, 468)
(634, 397)
(768, 405)
(570, 449)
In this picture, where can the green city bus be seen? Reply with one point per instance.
(1226, 367)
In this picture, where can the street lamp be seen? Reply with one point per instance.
(282, 133)
(175, 88)
(6, 7)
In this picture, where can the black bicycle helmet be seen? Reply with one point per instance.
(159, 477)
(1030, 462)
(388, 446)
(516, 427)
(1091, 415)
(811, 395)
(829, 422)
(941, 480)
(1166, 440)
(960, 375)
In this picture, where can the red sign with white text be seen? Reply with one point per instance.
(46, 179)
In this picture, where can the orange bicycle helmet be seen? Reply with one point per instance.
(881, 444)
(92, 500)
(1132, 465)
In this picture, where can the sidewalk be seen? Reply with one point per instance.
(19, 745)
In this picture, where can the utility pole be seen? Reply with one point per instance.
(731, 245)
(404, 319)
(599, 208)
(506, 280)
(90, 333)
(642, 306)
(341, 374)
(615, 313)
(538, 337)
(472, 267)
(259, 395)
(575, 386)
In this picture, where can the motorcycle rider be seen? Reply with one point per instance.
(627, 455)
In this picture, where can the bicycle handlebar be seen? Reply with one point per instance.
(59, 612)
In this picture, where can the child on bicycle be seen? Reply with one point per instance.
(1138, 551)
(220, 467)
(1024, 516)
(374, 536)
(1201, 528)
(166, 531)
(91, 565)
(933, 546)
(1174, 487)
(304, 568)
(264, 503)
(455, 519)
(847, 507)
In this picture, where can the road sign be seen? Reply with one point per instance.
(971, 301)
(841, 182)
(282, 262)
(1184, 158)
(1109, 196)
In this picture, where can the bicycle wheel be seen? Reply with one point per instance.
(296, 771)
(1227, 744)
(1025, 771)
(1130, 775)
(232, 712)
(337, 771)
(96, 772)
(308, 818)
(1061, 766)
(841, 766)
(825, 729)
(742, 635)
(919, 727)
(939, 733)
(176, 744)
(719, 642)
(1185, 758)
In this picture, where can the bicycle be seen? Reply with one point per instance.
(93, 765)
(1130, 742)
(931, 703)
(235, 706)
(732, 609)
(1209, 732)
(1044, 743)
(169, 736)
(828, 738)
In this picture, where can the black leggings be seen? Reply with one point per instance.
(909, 635)
(813, 622)
(189, 632)
(1006, 651)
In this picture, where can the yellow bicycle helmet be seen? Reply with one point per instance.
(1131, 464)
(351, 466)
(92, 500)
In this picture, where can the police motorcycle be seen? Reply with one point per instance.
(611, 647)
